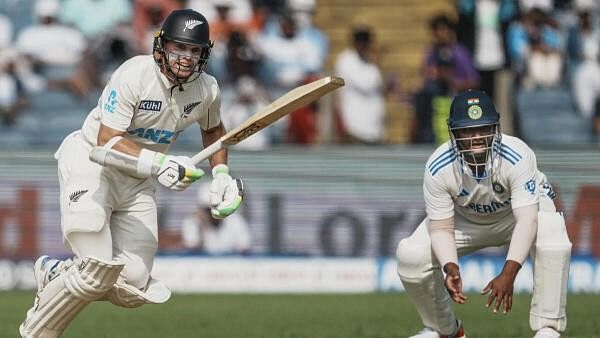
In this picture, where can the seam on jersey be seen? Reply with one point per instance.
(442, 157)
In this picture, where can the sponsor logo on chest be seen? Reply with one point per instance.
(150, 105)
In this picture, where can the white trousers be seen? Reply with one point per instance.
(105, 213)
(423, 279)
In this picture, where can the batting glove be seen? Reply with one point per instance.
(176, 172)
(226, 194)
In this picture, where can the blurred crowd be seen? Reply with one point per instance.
(264, 48)
(536, 44)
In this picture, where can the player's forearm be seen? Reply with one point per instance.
(123, 145)
(211, 136)
(523, 234)
(443, 244)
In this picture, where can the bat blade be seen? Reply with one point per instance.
(289, 102)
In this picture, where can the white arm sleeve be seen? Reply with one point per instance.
(441, 233)
(524, 233)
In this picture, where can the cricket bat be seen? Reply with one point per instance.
(289, 102)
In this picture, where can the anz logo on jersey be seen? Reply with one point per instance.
(154, 135)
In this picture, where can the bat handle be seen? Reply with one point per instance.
(207, 152)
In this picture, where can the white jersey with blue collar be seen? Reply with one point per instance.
(142, 102)
(515, 183)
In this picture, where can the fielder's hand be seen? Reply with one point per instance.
(225, 192)
(500, 288)
(176, 172)
(453, 283)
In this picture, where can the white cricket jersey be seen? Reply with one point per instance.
(141, 101)
(515, 183)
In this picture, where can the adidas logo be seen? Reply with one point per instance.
(75, 196)
(191, 24)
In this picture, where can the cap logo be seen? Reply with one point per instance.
(191, 24)
(472, 100)
(475, 112)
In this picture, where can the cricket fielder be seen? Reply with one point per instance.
(106, 173)
(482, 189)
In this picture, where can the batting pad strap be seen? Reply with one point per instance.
(128, 296)
(112, 142)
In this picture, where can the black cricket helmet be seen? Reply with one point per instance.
(474, 126)
(184, 26)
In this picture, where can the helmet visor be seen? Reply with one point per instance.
(475, 145)
(184, 59)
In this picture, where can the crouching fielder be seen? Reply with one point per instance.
(107, 170)
(482, 189)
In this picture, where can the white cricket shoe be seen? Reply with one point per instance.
(430, 333)
(547, 332)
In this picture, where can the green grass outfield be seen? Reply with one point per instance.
(293, 316)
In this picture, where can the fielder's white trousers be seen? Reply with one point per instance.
(423, 279)
(106, 214)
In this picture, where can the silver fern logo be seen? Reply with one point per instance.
(76, 195)
(191, 24)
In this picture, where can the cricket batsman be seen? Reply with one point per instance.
(107, 172)
(482, 189)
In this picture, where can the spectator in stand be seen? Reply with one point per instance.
(362, 99)
(202, 232)
(8, 81)
(287, 59)
(95, 17)
(534, 43)
(443, 31)
(482, 25)
(255, 23)
(304, 11)
(583, 38)
(148, 15)
(586, 87)
(221, 27)
(49, 43)
(240, 10)
(248, 97)
(432, 102)
(17, 78)
(110, 36)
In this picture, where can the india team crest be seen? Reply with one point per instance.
(475, 112)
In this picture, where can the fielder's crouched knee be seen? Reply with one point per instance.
(412, 261)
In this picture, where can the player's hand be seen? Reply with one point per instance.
(226, 194)
(453, 283)
(500, 289)
(177, 172)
